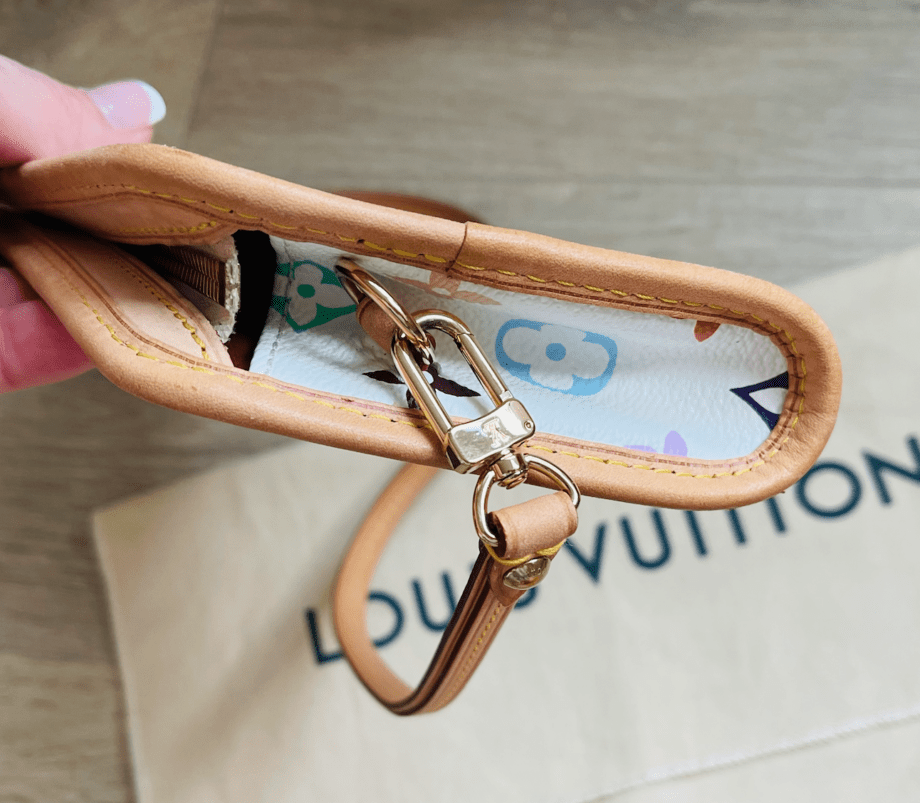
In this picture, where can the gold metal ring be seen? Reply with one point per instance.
(488, 478)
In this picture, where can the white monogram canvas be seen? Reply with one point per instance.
(648, 382)
(763, 654)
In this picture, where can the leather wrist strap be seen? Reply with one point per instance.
(516, 543)
(537, 528)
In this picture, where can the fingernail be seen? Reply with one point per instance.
(129, 104)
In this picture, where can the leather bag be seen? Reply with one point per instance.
(168, 269)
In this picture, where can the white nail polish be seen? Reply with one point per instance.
(157, 104)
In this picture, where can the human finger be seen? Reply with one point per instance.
(41, 117)
(13, 288)
(35, 348)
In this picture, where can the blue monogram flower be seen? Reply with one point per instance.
(556, 357)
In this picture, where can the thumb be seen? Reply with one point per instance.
(35, 348)
(40, 117)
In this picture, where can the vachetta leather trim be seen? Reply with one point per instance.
(152, 194)
(124, 292)
(173, 197)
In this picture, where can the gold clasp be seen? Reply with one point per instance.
(485, 440)
(489, 443)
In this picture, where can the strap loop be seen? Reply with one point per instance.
(359, 284)
(482, 609)
(484, 529)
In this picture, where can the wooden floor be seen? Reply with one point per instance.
(776, 138)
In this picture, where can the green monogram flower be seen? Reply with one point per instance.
(315, 295)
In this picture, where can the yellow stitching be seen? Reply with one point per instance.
(176, 313)
(543, 449)
(227, 210)
(463, 671)
(548, 552)
(610, 462)
(188, 230)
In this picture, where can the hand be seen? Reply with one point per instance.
(40, 117)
